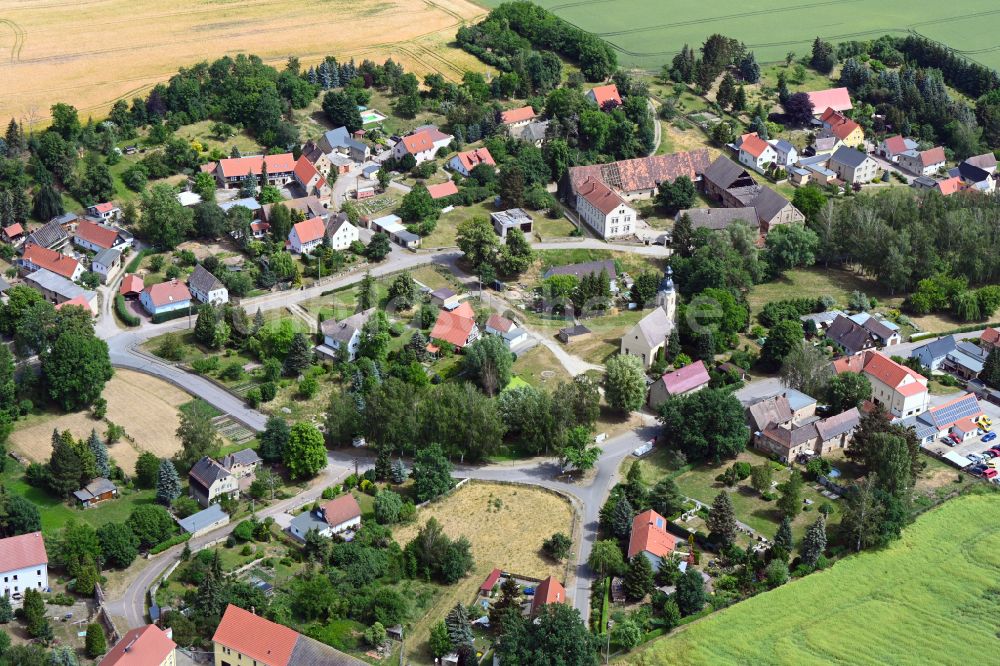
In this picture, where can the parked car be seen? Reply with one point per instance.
(988, 455)
(990, 474)
(975, 458)
(995, 449)
(955, 438)
(985, 422)
(989, 437)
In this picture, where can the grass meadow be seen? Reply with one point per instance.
(930, 598)
(647, 33)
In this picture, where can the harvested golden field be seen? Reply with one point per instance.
(93, 52)
(145, 406)
(506, 525)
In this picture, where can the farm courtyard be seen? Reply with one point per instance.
(647, 33)
(935, 588)
(40, 66)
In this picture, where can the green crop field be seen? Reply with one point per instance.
(647, 33)
(930, 598)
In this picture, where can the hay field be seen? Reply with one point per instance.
(930, 598)
(145, 406)
(506, 526)
(90, 53)
(647, 33)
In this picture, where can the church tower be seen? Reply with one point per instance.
(666, 295)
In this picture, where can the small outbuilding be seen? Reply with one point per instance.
(97, 491)
(205, 521)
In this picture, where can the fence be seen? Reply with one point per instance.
(104, 618)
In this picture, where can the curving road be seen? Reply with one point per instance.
(125, 353)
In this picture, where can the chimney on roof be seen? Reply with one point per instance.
(130, 644)
(169, 633)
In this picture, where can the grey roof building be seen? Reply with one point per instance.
(58, 286)
(202, 280)
(849, 157)
(107, 257)
(244, 457)
(344, 330)
(213, 515)
(50, 235)
(512, 218)
(933, 354)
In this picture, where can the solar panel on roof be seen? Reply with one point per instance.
(961, 409)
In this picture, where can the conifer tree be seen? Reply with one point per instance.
(168, 483)
(639, 578)
(459, 629)
(299, 356)
(814, 542)
(722, 519)
(100, 453)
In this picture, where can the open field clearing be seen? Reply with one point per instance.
(145, 406)
(647, 33)
(935, 588)
(506, 526)
(92, 53)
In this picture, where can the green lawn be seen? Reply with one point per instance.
(447, 225)
(930, 598)
(540, 368)
(816, 281)
(546, 228)
(55, 514)
(434, 277)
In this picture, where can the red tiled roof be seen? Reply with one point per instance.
(644, 173)
(259, 226)
(968, 424)
(470, 159)
(499, 323)
(244, 166)
(839, 99)
(649, 534)
(418, 142)
(309, 230)
(131, 284)
(842, 126)
(341, 509)
(305, 171)
(517, 115)
(97, 234)
(208, 167)
(888, 371)
(990, 336)
(255, 637)
(140, 647)
(77, 301)
(452, 328)
(933, 156)
(599, 195)
(464, 310)
(854, 364)
(754, 145)
(896, 144)
(165, 293)
(605, 94)
(50, 260)
(105, 207)
(20, 552)
(549, 591)
(13, 230)
(443, 189)
(687, 378)
(490, 581)
(949, 186)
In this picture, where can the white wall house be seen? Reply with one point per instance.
(603, 210)
(107, 263)
(336, 516)
(341, 232)
(786, 154)
(756, 153)
(307, 235)
(25, 564)
(344, 334)
(206, 287)
(422, 144)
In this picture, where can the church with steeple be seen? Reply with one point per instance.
(650, 335)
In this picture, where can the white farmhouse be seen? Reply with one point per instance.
(344, 334)
(25, 564)
(336, 516)
(206, 287)
(603, 210)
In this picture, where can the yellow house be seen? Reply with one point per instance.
(146, 646)
(848, 132)
(245, 639)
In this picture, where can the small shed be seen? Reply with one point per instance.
(487, 587)
(97, 491)
(573, 333)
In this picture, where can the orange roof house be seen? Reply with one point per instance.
(599, 195)
(36, 256)
(145, 646)
(521, 115)
(22, 551)
(419, 142)
(901, 390)
(457, 327)
(442, 190)
(470, 159)
(753, 144)
(650, 537)
(241, 167)
(549, 591)
(989, 339)
(96, 235)
(255, 638)
(605, 95)
(949, 186)
(838, 99)
(842, 127)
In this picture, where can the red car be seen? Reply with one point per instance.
(989, 473)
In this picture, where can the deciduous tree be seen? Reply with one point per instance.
(305, 453)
